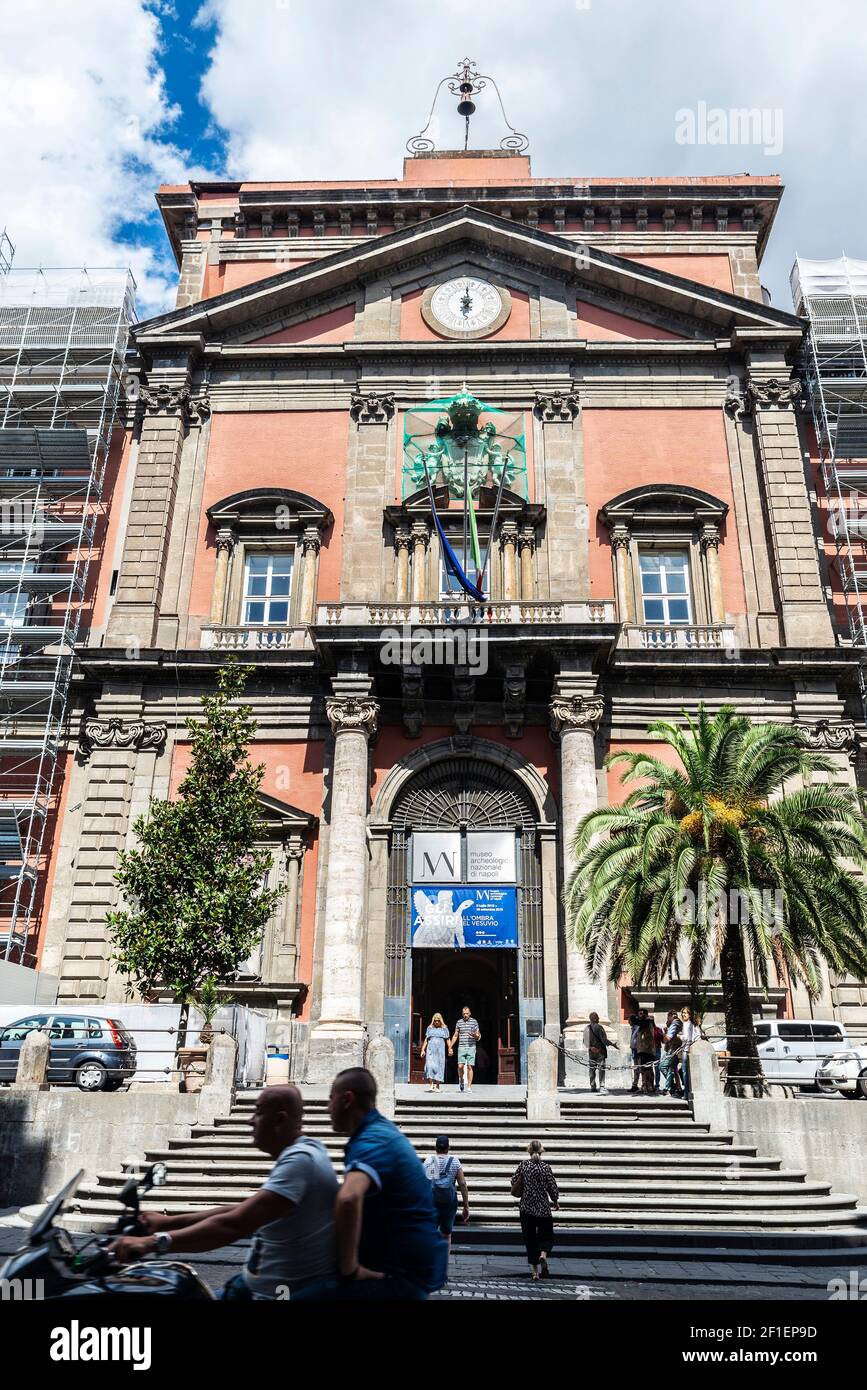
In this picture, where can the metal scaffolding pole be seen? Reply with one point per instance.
(63, 340)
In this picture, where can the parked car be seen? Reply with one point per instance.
(793, 1050)
(845, 1072)
(97, 1054)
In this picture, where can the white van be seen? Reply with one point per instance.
(793, 1049)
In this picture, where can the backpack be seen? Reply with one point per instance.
(645, 1041)
(443, 1183)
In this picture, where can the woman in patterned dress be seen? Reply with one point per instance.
(534, 1183)
(433, 1050)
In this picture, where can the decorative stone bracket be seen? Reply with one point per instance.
(371, 407)
(557, 406)
(352, 713)
(772, 391)
(164, 399)
(826, 737)
(114, 733)
(575, 712)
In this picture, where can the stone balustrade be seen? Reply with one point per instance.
(434, 614)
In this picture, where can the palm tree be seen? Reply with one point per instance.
(719, 856)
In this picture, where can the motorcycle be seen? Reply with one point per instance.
(50, 1262)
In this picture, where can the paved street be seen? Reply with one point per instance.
(498, 1278)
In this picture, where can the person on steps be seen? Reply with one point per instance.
(533, 1182)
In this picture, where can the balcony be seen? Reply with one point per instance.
(222, 638)
(518, 613)
(692, 637)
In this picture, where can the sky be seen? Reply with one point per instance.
(103, 100)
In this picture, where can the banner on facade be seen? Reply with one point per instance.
(491, 856)
(464, 917)
(436, 856)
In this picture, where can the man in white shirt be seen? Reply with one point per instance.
(291, 1217)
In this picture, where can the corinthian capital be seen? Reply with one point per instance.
(576, 712)
(772, 391)
(352, 712)
(372, 407)
(558, 405)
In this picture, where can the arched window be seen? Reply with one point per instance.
(665, 540)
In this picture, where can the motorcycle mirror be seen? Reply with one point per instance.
(158, 1175)
(128, 1194)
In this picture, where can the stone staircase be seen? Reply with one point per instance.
(623, 1164)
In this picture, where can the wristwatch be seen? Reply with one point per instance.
(162, 1243)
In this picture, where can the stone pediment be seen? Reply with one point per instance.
(265, 311)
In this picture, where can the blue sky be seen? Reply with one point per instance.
(105, 99)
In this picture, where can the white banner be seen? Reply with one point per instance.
(490, 856)
(436, 856)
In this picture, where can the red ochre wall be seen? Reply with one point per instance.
(624, 449)
(234, 275)
(293, 773)
(534, 746)
(304, 450)
(713, 270)
(414, 329)
(337, 326)
(603, 325)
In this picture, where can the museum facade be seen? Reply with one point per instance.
(288, 482)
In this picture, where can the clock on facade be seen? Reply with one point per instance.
(466, 307)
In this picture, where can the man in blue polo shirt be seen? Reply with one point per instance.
(385, 1225)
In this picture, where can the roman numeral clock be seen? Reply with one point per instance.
(466, 307)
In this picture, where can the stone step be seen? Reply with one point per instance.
(490, 1144)
(652, 1130)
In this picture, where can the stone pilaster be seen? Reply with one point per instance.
(338, 1040)
(225, 546)
(772, 395)
(167, 411)
(526, 547)
(562, 478)
(120, 756)
(402, 546)
(370, 487)
(420, 543)
(710, 542)
(621, 542)
(311, 543)
(574, 721)
(509, 548)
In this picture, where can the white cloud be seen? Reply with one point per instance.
(332, 89)
(85, 136)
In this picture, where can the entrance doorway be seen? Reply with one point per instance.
(443, 981)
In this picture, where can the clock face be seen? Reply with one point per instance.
(466, 307)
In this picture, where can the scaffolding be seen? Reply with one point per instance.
(63, 340)
(833, 296)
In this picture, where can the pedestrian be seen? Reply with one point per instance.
(291, 1217)
(466, 1035)
(633, 1051)
(446, 1177)
(645, 1048)
(690, 1033)
(597, 1043)
(533, 1182)
(658, 1038)
(433, 1050)
(388, 1247)
(668, 1062)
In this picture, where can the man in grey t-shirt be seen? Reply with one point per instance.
(466, 1035)
(291, 1217)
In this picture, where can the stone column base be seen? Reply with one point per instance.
(334, 1047)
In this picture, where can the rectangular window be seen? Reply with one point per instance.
(449, 586)
(267, 588)
(665, 594)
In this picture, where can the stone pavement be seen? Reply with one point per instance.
(505, 1277)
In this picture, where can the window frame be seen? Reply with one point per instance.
(237, 586)
(643, 548)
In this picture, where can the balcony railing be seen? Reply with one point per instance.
(680, 637)
(519, 613)
(221, 638)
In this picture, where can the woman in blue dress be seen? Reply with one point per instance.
(433, 1050)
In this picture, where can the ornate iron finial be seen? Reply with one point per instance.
(466, 83)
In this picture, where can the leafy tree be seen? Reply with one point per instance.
(721, 856)
(194, 885)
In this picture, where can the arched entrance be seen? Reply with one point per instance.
(450, 803)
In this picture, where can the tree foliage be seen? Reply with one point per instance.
(733, 853)
(196, 904)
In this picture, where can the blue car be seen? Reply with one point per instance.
(96, 1054)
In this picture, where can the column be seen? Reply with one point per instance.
(337, 1040)
(402, 546)
(526, 546)
(225, 547)
(575, 720)
(420, 542)
(561, 486)
(509, 548)
(710, 551)
(311, 542)
(620, 544)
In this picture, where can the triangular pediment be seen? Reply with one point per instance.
(321, 294)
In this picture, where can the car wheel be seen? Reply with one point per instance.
(91, 1076)
(854, 1094)
(825, 1089)
(861, 1085)
(114, 1084)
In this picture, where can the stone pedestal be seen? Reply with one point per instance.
(32, 1063)
(380, 1061)
(574, 720)
(543, 1100)
(338, 1038)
